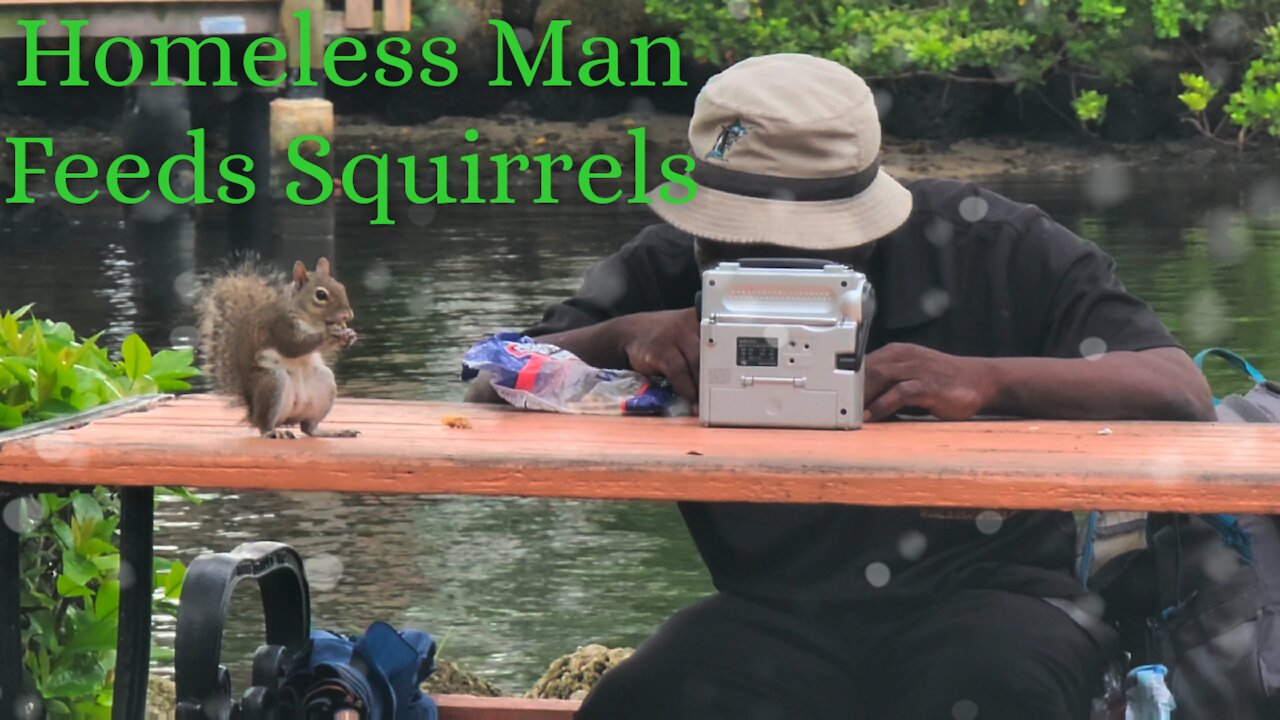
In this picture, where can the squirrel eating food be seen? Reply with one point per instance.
(266, 342)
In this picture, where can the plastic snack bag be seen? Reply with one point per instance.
(538, 376)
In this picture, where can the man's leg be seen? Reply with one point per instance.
(725, 657)
(985, 654)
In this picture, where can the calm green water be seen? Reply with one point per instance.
(516, 583)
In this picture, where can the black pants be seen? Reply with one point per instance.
(982, 654)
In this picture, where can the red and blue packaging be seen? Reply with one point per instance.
(540, 376)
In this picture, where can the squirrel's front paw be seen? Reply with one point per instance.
(344, 336)
(280, 435)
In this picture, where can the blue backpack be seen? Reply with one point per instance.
(1199, 593)
(377, 675)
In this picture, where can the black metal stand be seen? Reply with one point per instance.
(133, 648)
(202, 682)
(13, 687)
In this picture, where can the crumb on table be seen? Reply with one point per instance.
(456, 421)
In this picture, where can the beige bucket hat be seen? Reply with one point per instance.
(786, 151)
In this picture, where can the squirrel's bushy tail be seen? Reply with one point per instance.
(226, 311)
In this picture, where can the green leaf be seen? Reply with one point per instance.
(136, 356)
(93, 547)
(173, 580)
(63, 533)
(91, 711)
(69, 588)
(173, 363)
(1194, 101)
(181, 492)
(108, 600)
(86, 507)
(10, 417)
(79, 569)
(74, 682)
(43, 627)
(99, 635)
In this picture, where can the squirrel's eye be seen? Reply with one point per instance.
(322, 294)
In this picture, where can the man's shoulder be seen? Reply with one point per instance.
(965, 202)
(663, 238)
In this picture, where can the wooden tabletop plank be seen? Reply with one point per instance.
(468, 707)
(200, 442)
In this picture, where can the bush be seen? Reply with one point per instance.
(1098, 45)
(69, 552)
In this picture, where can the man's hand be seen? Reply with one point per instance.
(1156, 384)
(665, 343)
(911, 376)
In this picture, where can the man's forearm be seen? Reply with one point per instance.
(597, 345)
(1150, 385)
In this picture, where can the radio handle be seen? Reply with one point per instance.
(864, 332)
(786, 263)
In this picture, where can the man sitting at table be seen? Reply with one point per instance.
(984, 306)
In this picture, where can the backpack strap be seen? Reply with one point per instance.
(1240, 363)
(1233, 534)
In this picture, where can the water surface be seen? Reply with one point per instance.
(515, 583)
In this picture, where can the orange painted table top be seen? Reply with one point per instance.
(199, 442)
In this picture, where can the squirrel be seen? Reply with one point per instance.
(266, 342)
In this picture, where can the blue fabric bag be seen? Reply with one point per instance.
(378, 675)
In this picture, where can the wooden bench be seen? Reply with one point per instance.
(198, 442)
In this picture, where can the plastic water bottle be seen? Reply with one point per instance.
(1149, 698)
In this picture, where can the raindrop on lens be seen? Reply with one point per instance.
(323, 571)
(739, 9)
(899, 58)
(1093, 348)
(1207, 319)
(422, 215)
(939, 231)
(22, 515)
(1093, 606)
(126, 575)
(1227, 30)
(1218, 72)
(934, 302)
(964, 710)
(1107, 184)
(1263, 202)
(884, 102)
(183, 336)
(187, 285)
(53, 448)
(378, 277)
(973, 209)
(878, 574)
(1227, 238)
(641, 107)
(989, 522)
(1220, 563)
(421, 302)
(525, 38)
(912, 545)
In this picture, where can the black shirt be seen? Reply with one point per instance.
(997, 278)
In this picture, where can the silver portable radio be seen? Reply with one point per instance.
(783, 343)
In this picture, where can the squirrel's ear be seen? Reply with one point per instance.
(299, 274)
(322, 267)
